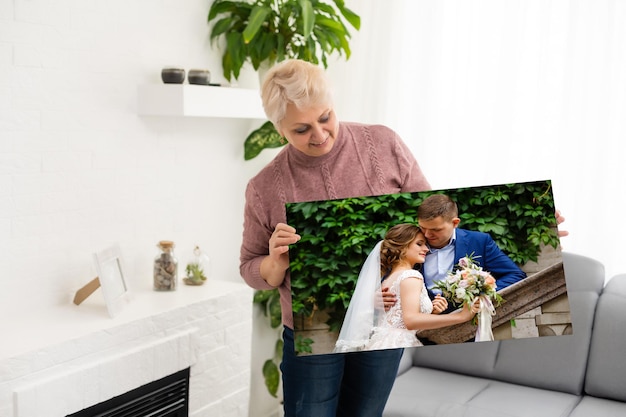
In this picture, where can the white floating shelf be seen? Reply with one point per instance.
(199, 101)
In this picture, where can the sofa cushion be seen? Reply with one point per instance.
(424, 392)
(606, 367)
(475, 359)
(501, 399)
(551, 362)
(592, 406)
(583, 273)
(558, 362)
(427, 392)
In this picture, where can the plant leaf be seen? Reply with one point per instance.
(308, 17)
(257, 17)
(348, 14)
(220, 7)
(271, 375)
(264, 137)
(278, 350)
(221, 26)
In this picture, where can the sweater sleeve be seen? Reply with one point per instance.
(255, 242)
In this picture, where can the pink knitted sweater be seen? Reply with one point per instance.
(365, 160)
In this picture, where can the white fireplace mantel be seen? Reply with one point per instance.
(68, 358)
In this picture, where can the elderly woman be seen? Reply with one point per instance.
(324, 159)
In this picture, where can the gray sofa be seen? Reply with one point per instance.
(578, 375)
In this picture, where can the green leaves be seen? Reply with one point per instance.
(269, 300)
(271, 374)
(308, 17)
(265, 136)
(337, 235)
(256, 19)
(274, 30)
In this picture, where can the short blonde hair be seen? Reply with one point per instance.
(294, 81)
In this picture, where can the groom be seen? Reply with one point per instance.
(438, 217)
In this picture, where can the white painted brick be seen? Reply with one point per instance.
(6, 141)
(40, 183)
(5, 232)
(37, 141)
(7, 208)
(42, 12)
(27, 56)
(19, 163)
(20, 120)
(66, 161)
(15, 32)
(38, 225)
(6, 10)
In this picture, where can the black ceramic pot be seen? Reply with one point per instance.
(199, 76)
(173, 75)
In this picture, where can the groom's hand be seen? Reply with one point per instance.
(440, 304)
(389, 299)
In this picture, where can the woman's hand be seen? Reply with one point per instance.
(470, 310)
(440, 304)
(560, 219)
(475, 307)
(275, 264)
(283, 236)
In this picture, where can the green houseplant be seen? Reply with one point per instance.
(263, 32)
(269, 31)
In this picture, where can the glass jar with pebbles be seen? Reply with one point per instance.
(165, 267)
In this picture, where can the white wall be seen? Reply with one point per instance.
(502, 91)
(80, 170)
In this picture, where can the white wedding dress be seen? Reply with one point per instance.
(392, 332)
(366, 325)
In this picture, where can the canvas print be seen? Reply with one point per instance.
(465, 265)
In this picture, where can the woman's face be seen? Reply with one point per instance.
(312, 131)
(417, 250)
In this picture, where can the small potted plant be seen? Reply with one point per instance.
(196, 269)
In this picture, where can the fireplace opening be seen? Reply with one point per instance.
(166, 397)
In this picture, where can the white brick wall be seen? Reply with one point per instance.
(80, 170)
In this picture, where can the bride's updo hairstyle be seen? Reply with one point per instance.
(395, 245)
(294, 81)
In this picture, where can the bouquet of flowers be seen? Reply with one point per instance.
(468, 281)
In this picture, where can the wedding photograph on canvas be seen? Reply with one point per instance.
(464, 265)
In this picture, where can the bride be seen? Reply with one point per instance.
(367, 326)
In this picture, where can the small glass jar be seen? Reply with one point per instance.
(165, 267)
(197, 269)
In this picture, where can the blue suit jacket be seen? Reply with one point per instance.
(486, 254)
